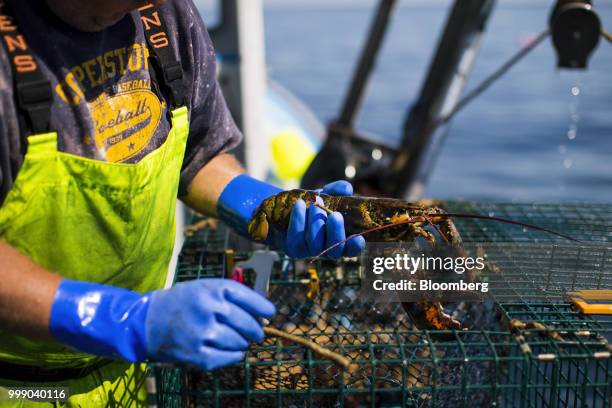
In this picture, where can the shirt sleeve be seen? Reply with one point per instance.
(212, 129)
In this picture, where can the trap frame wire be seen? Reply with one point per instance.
(396, 365)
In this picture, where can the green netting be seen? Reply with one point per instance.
(566, 364)
(586, 222)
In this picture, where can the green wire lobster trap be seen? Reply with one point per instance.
(563, 358)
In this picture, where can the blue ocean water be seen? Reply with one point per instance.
(538, 134)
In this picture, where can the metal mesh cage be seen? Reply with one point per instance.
(565, 362)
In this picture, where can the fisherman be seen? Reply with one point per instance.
(110, 110)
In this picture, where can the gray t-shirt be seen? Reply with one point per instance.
(103, 104)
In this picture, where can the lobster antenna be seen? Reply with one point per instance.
(513, 222)
(456, 215)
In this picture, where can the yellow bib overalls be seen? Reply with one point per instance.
(89, 220)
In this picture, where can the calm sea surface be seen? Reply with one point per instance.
(538, 134)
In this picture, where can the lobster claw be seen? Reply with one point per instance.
(258, 227)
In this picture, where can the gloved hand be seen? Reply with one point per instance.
(310, 229)
(206, 322)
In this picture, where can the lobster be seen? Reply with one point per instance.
(380, 220)
(360, 214)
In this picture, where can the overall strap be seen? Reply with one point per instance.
(162, 58)
(32, 89)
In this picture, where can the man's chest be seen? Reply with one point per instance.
(105, 106)
(111, 106)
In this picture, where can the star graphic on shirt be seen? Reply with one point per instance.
(131, 146)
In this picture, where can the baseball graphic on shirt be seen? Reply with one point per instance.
(125, 122)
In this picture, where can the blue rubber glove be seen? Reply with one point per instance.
(310, 229)
(206, 323)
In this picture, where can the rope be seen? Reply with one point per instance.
(493, 77)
